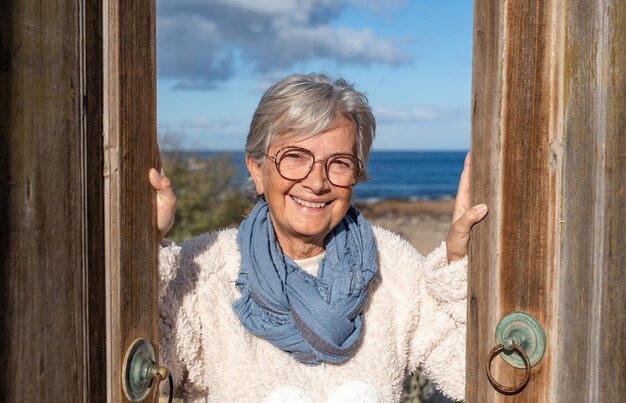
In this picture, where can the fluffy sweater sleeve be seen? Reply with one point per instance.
(431, 309)
(444, 310)
(178, 325)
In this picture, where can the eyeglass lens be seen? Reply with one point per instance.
(297, 163)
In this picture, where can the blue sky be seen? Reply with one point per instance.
(412, 59)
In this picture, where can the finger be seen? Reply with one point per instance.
(160, 182)
(462, 200)
(463, 226)
(155, 179)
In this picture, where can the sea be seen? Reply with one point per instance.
(405, 175)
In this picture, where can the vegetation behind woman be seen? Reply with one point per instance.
(209, 190)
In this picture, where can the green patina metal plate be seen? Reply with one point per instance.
(138, 370)
(527, 333)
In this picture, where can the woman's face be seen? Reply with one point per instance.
(304, 212)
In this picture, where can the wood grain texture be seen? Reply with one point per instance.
(592, 295)
(130, 144)
(513, 253)
(528, 188)
(51, 257)
(549, 158)
(485, 145)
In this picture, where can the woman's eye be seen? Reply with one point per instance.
(293, 156)
(342, 163)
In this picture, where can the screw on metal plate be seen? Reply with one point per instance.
(523, 330)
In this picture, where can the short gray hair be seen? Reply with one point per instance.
(305, 106)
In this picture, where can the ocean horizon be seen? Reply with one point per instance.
(405, 175)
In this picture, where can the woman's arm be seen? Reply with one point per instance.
(178, 324)
(438, 343)
(427, 300)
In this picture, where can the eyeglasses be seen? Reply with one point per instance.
(295, 163)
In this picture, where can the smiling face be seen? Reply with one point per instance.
(304, 212)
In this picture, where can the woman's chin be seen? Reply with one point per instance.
(312, 234)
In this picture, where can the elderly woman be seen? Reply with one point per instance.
(306, 302)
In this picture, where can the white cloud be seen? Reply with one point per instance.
(203, 42)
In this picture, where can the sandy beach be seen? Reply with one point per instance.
(424, 224)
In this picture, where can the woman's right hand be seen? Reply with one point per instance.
(463, 217)
(166, 200)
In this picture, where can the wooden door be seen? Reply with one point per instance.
(78, 244)
(549, 158)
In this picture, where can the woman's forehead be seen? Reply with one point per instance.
(288, 137)
(338, 138)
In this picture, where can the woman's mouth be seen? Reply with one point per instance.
(308, 203)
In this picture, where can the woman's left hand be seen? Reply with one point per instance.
(463, 217)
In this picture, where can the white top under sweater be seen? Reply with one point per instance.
(415, 315)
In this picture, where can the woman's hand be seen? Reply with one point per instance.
(463, 217)
(166, 200)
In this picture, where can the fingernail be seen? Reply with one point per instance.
(481, 209)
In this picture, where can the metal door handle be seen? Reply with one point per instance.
(520, 333)
(140, 372)
(508, 390)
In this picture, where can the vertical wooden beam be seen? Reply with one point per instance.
(58, 341)
(130, 149)
(485, 144)
(548, 120)
(591, 321)
(51, 256)
(514, 172)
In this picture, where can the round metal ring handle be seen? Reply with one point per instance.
(508, 390)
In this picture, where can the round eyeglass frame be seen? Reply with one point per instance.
(325, 162)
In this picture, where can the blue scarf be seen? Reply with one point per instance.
(314, 319)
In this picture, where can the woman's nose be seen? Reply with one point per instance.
(317, 180)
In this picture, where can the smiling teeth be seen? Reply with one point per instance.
(309, 204)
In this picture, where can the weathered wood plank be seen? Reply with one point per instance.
(612, 376)
(557, 188)
(513, 255)
(130, 141)
(485, 145)
(593, 258)
(528, 188)
(93, 193)
(52, 250)
(51, 260)
(512, 173)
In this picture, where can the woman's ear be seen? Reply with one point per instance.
(256, 174)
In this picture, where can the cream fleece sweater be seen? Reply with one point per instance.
(415, 316)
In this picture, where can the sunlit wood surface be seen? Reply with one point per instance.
(549, 158)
